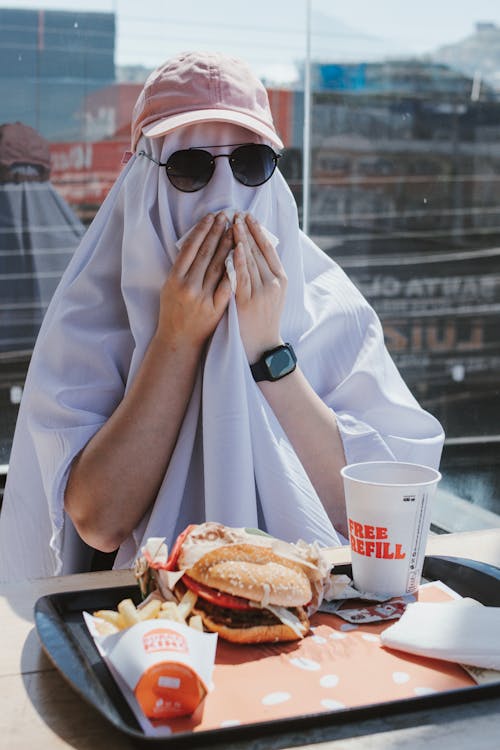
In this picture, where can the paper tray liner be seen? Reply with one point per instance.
(339, 666)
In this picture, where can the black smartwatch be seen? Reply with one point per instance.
(275, 363)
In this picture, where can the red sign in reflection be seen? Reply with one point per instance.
(84, 172)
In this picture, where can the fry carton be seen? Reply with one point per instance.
(165, 666)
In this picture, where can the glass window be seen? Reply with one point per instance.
(404, 161)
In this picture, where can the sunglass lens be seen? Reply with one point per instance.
(190, 170)
(253, 164)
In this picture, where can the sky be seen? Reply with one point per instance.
(270, 34)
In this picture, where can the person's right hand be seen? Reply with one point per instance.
(197, 289)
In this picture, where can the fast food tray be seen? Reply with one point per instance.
(68, 644)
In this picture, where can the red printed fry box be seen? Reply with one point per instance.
(166, 665)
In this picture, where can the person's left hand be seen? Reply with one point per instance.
(261, 287)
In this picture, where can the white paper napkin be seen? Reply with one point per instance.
(462, 631)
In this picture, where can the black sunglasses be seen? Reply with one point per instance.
(191, 169)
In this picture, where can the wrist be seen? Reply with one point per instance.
(169, 343)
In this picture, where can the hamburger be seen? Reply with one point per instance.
(248, 587)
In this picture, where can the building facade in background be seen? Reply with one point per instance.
(49, 62)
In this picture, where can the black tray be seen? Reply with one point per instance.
(68, 644)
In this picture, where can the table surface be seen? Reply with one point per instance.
(40, 710)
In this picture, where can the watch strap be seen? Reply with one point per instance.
(260, 370)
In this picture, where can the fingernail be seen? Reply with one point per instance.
(251, 219)
(221, 217)
(208, 218)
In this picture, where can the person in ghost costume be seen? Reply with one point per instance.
(149, 404)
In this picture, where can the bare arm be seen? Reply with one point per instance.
(312, 429)
(310, 425)
(116, 477)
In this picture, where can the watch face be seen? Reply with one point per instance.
(280, 363)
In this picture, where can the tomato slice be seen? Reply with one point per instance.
(215, 597)
(174, 555)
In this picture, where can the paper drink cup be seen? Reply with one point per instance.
(389, 514)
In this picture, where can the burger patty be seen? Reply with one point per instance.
(243, 618)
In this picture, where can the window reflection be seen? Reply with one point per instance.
(405, 193)
(38, 234)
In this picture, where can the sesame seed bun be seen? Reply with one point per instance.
(255, 573)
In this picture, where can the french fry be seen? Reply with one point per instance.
(111, 616)
(104, 627)
(150, 611)
(196, 622)
(187, 603)
(129, 612)
(170, 611)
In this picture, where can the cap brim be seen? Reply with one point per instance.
(167, 124)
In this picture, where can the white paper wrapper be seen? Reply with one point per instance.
(341, 587)
(375, 608)
(150, 565)
(163, 668)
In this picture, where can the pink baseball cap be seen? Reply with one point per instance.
(202, 87)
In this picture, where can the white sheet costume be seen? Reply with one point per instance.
(232, 462)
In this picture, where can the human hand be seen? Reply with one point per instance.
(261, 287)
(197, 290)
